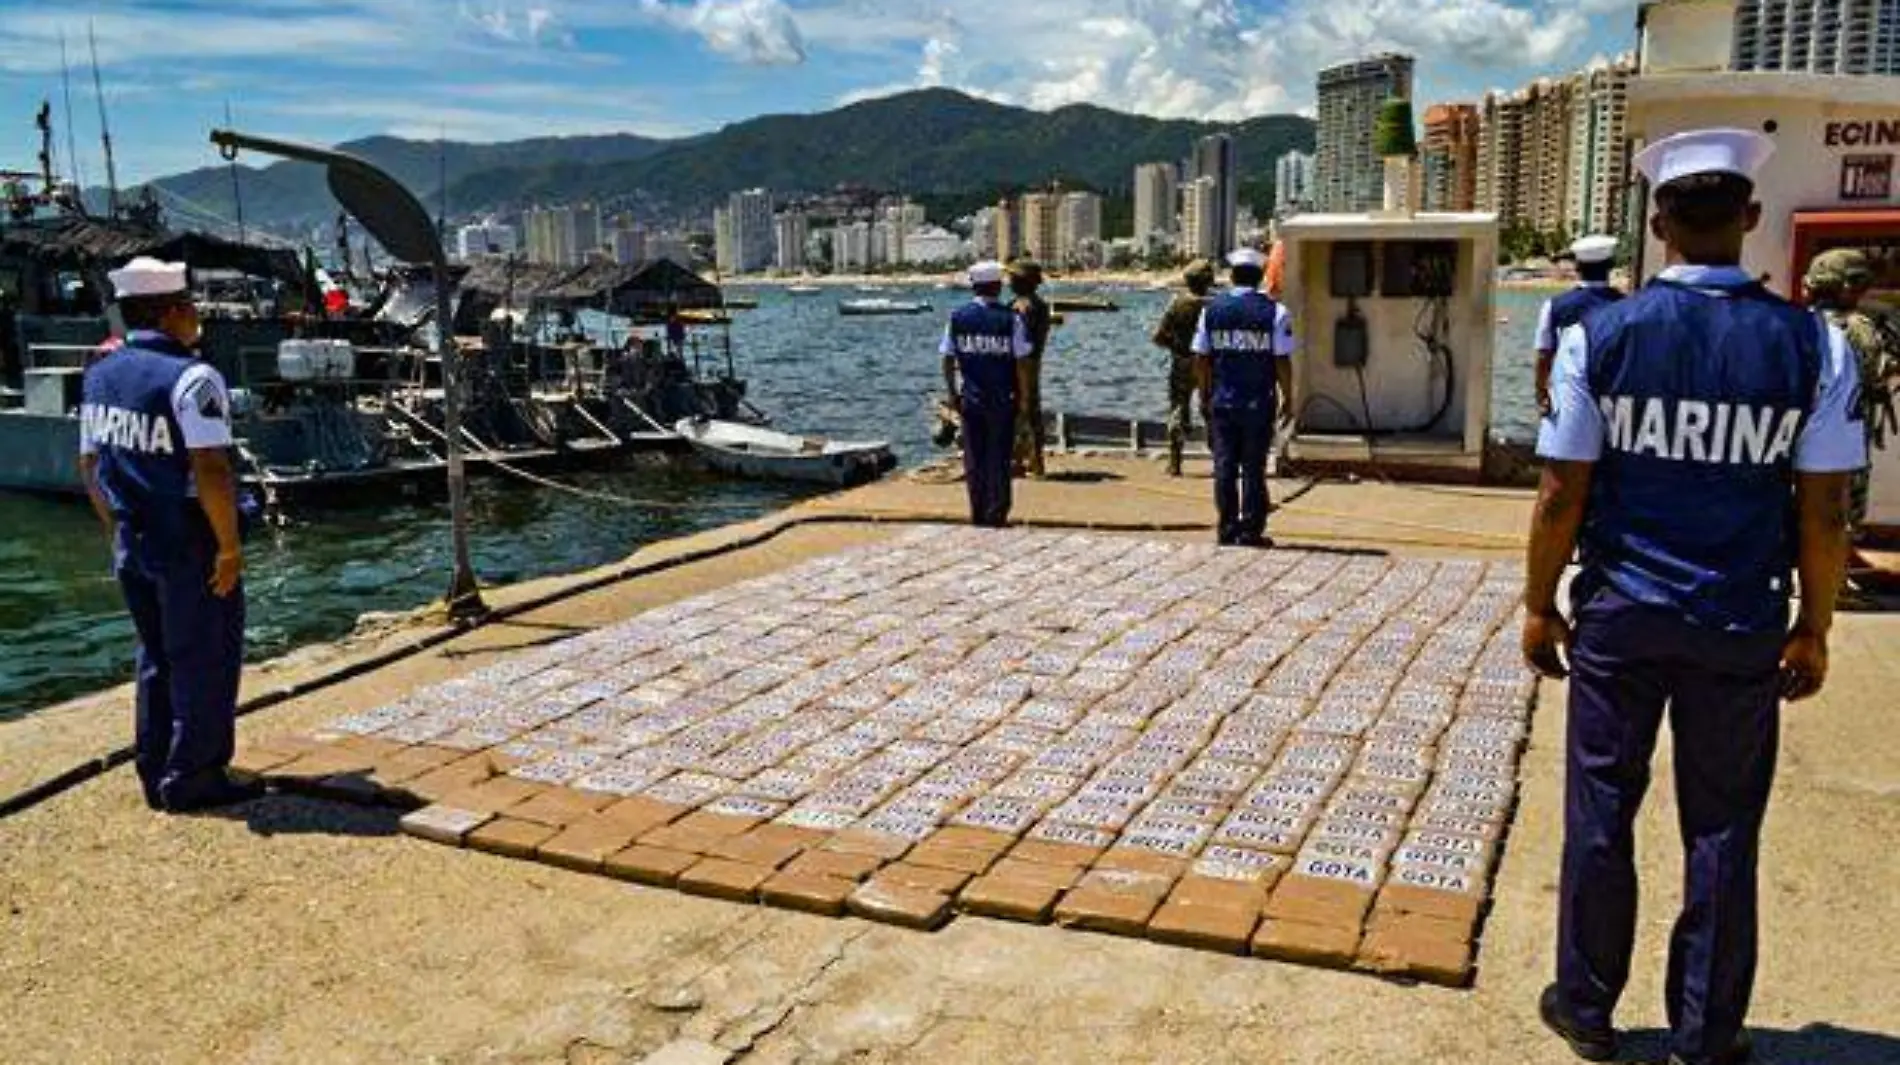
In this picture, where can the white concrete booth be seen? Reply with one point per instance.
(1829, 184)
(1396, 318)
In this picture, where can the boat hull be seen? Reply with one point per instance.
(763, 454)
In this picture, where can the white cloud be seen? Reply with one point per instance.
(1200, 58)
(762, 32)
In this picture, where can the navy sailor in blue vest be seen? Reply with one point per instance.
(1244, 348)
(985, 373)
(1703, 434)
(155, 444)
(1595, 257)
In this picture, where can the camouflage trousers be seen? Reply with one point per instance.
(1181, 385)
(1030, 442)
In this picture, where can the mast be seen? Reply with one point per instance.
(72, 146)
(237, 192)
(105, 130)
(442, 175)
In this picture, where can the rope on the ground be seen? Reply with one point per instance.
(488, 459)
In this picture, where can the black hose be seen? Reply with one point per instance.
(97, 767)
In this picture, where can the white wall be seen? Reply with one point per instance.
(1682, 36)
(1403, 386)
(1803, 175)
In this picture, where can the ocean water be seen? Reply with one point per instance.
(63, 630)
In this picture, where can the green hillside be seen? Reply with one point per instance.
(942, 146)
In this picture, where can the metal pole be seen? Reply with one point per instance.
(465, 597)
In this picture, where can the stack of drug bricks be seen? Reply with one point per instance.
(1304, 757)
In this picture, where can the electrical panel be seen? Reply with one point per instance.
(1352, 341)
(1352, 270)
(1419, 269)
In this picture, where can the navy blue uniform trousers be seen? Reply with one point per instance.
(989, 440)
(191, 652)
(1629, 663)
(1241, 442)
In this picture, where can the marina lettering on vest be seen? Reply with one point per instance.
(1244, 340)
(128, 430)
(1731, 434)
(974, 344)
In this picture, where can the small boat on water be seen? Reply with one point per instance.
(882, 306)
(1083, 304)
(767, 454)
(802, 290)
(873, 288)
(741, 303)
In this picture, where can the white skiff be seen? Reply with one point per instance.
(758, 452)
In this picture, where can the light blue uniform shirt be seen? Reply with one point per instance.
(1832, 441)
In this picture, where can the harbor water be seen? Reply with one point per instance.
(63, 630)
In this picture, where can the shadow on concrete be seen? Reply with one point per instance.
(556, 633)
(280, 814)
(1816, 1044)
(1081, 477)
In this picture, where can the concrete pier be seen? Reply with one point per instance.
(301, 929)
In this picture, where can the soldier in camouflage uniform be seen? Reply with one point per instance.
(1025, 278)
(1837, 282)
(1175, 334)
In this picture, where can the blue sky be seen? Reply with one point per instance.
(502, 69)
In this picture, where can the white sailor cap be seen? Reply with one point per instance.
(1246, 257)
(988, 272)
(145, 276)
(1594, 249)
(1705, 151)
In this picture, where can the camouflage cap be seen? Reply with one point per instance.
(1200, 271)
(1838, 269)
(1026, 267)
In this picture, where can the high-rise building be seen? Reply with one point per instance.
(1157, 204)
(1599, 148)
(1214, 158)
(1349, 176)
(983, 233)
(1818, 36)
(485, 238)
(562, 236)
(1524, 155)
(887, 243)
(725, 248)
(628, 241)
(1292, 184)
(1078, 225)
(791, 232)
(584, 235)
(1042, 231)
(1009, 229)
(1200, 220)
(851, 247)
(1448, 157)
(754, 242)
(1500, 155)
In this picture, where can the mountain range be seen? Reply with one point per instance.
(937, 144)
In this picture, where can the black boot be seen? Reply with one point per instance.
(1588, 1044)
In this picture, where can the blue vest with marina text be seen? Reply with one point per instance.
(1240, 330)
(1569, 309)
(984, 336)
(1704, 393)
(144, 469)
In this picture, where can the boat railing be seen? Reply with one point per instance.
(58, 356)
